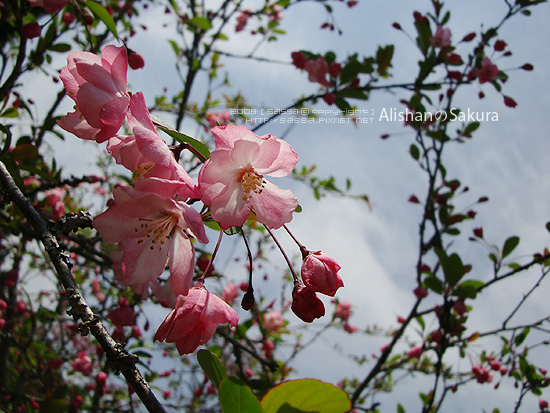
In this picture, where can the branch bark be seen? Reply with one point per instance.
(123, 361)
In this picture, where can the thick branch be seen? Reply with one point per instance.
(124, 362)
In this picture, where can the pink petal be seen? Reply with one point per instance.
(226, 136)
(182, 263)
(229, 208)
(143, 262)
(245, 153)
(76, 124)
(218, 311)
(117, 57)
(274, 206)
(96, 75)
(284, 158)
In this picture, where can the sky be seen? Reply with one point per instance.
(507, 160)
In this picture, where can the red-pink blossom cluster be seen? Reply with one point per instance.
(317, 68)
(152, 222)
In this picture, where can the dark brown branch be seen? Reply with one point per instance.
(123, 361)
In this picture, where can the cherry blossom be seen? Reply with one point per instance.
(54, 198)
(317, 70)
(230, 293)
(320, 273)
(343, 310)
(153, 228)
(242, 19)
(98, 87)
(83, 364)
(488, 71)
(232, 181)
(273, 320)
(145, 153)
(441, 39)
(194, 319)
(482, 374)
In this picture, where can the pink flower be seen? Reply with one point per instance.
(194, 319)
(460, 307)
(145, 153)
(101, 378)
(232, 180)
(306, 305)
(543, 404)
(215, 119)
(441, 39)
(268, 347)
(55, 201)
(415, 352)
(343, 310)
(495, 365)
(482, 374)
(153, 228)
(273, 320)
(420, 292)
(320, 273)
(50, 6)
(83, 364)
(350, 329)
(298, 60)
(122, 316)
(242, 18)
(230, 293)
(488, 71)
(98, 87)
(317, 70)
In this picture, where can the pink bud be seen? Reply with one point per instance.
(101, 378)
(416, 352)
(31, 30)
(306, 305)
(135, 60)
(420, 292)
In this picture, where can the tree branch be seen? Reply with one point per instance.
(123, 361)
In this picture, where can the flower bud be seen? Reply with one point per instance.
(306, 305)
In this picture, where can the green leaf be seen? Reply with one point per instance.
(213, 225)
(102, 14)
(232, 230)
(510, 244)
(453, 269)
(236, 397)
(200, 22)
(60, 47)
(181, 137)
(352, 93)
(548, 226)
(434, 284)
(10, 113)
(520, 338)
(55, 406)
(415, 152)
(471, 127)
(212, 366)
(468, 289)
(400, 408)
(306, 395)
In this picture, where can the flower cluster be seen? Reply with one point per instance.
(317, 68)
(319, 275)
(152, 221)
